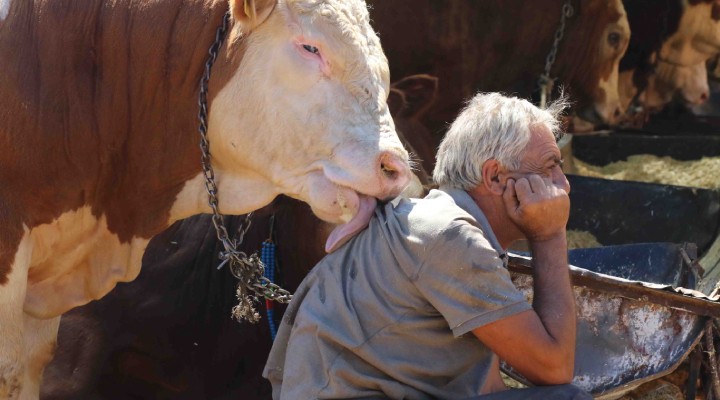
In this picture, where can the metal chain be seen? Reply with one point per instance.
(546, 82)
(248, 270)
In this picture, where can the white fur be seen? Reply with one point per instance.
(58, 266)
(40, 343)
(76, 259)
(12, 329)
(312, 133)
(696, 39)
(681, 62)
(4, 9)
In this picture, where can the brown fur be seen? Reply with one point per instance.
(577, 61)
(112, 112)
(410, 98)
(490, 46)
(715, 13)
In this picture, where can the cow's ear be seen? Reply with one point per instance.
(251, 13)
(419, 91)
(396, 102)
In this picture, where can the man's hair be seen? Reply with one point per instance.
(492, 126)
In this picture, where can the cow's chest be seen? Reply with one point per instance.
(76, 259)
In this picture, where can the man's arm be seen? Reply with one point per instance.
(539, 343)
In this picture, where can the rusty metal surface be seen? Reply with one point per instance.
(628, 333)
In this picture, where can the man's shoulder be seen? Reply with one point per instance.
(422, 221)
(437, 211)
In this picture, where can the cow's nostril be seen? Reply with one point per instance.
(388, 171)
(703, 97)
(617, 113)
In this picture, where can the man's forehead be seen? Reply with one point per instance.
(542, 144)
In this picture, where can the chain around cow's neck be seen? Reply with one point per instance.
(248, 270)
(545, 83)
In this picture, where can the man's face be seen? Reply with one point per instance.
(542, 157)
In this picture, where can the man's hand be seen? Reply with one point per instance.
(540, 344)
(537, 206)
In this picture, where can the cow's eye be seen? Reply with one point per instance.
(613, 39)
(311, 49)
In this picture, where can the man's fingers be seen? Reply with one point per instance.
(510, 196)
(537, 184)
(522, 188)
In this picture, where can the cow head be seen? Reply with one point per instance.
(311, 85)
(594, 80)
(689, 82)
(681, 60)
(675, 66)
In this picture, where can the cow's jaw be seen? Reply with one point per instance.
(344, 232)
(339, 205)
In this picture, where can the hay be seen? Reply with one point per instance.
(510, 382)
(703, 173)
(581, 240)
(655, 390)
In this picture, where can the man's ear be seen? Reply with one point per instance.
(491, 170)
(251, 13)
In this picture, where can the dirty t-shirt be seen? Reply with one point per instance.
(388, 314)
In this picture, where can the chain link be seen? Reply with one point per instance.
(546, 82)
(248, 270)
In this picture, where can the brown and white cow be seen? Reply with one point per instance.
(672, 40)
(158, 336)
(502, 45)
(98, 105)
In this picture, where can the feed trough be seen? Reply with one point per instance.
(607, 147)
(684, 124)
(621, 212)
(634, 329)
(624, 212)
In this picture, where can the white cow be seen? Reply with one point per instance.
(98, 131)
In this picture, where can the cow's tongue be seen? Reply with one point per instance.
(343, 233)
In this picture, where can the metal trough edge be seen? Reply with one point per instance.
(665, 295)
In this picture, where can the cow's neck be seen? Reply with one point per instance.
(116, 92)
(102, 118)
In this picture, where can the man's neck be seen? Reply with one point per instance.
(492, 206)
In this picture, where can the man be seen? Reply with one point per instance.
(420, 305)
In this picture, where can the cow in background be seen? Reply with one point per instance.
(409, 100)
(502, 45)
(169, 333)
(98, 122)
(670, 45)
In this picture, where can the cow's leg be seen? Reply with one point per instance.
(40, 342)
(12, 323)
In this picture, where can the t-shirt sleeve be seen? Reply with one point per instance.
(464, 278)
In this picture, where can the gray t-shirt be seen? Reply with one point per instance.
(386, 315)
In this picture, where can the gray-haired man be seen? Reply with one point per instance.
(420, 304)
